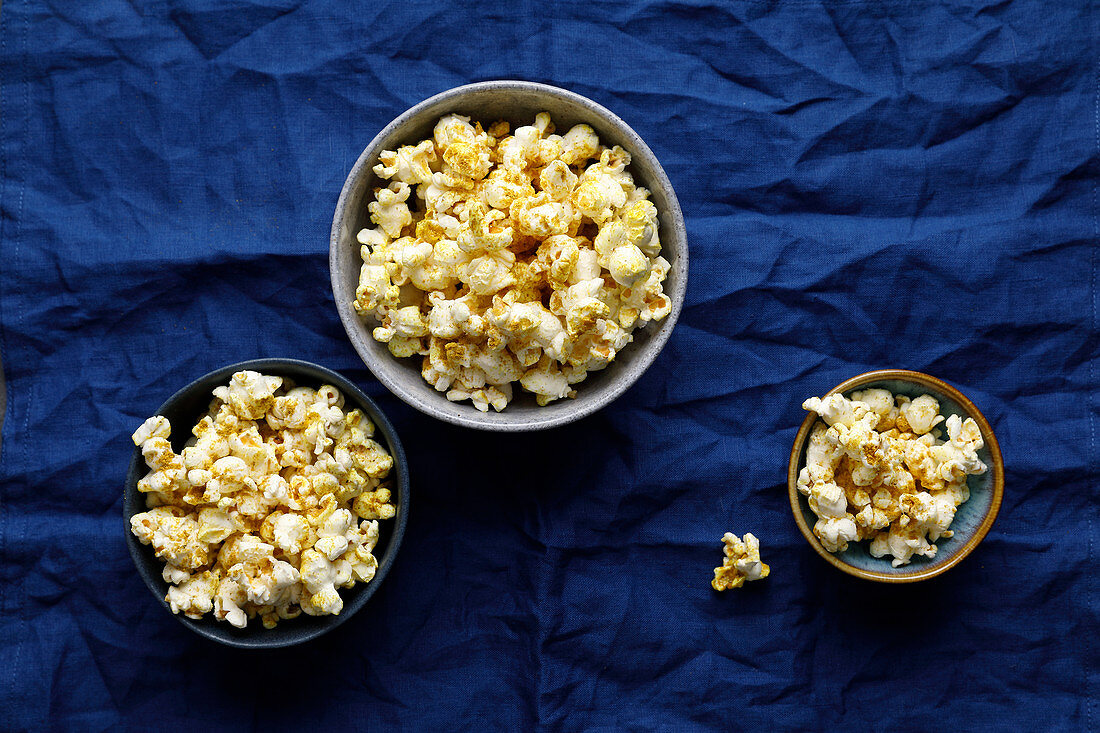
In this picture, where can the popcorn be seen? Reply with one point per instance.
(291, 533)
(389, 210)
(523, 258)
(172, 533)
(254, 517)
(227, 603)
(249, 394)
(742, 562)
(410, 164)
(374, 505)
(319, 577)
(193, 595)
(875, 470)
(920, 414)
(154, 427)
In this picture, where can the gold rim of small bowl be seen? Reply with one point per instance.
(996, 468)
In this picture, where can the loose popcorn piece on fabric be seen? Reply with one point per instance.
(509, 257)
(876, 468)
(254, 517)
(742, 562)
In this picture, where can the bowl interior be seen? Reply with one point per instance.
(518, 103)
(183, 410)
(968, 518)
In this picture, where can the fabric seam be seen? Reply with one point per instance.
(3, 331)
(1092, 330)
(23, 65)
(6, 595)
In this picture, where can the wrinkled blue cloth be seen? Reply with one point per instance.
(866, 184)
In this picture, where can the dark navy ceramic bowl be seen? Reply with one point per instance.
(183, 409)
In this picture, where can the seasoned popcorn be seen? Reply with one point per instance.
(502, 258)
(876, 468)
(272, 506)
(742, 562)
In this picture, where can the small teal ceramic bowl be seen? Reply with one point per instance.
(973, 519)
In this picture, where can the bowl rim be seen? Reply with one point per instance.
(253, 638)
(996, 469)
(529, 422)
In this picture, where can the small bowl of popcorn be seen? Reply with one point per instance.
(265, 502)
(895, 476)
(508, 256)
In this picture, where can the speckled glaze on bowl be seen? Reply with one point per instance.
(517, 102)
(183, 410)
(973, 519)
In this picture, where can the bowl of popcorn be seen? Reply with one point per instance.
(895, 476)
(508, 256)
(265, 502)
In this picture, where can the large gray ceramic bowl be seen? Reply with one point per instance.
(183, 410)
(517, 102)
(974, 517)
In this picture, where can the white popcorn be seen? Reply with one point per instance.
(836, 532)
(452, 128)
(249, 394)
(827, 500)
(331, 547)
(264, 489)
(154, 427)
(742, 562)
(363, 564)
(823, 456)
(215, 526)
(481, 231)
(264, 582)
(598, 194)
(492, 275)
(319, 577)
(335, 524)
(412, 165)
(627, 264)
(922, 414)
(174, 575)
(389, 211)
(291, 533)
(228, 475)
(958, 457)
(227, 603)
(546, 381)
(579, 144)
(276, 490)
(192, 595)
(541, 216)
(881, 403)
(875, 471)
(835, 408)
(557, 180)
(171, 532)
(518, 150)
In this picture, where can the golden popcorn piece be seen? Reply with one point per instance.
(408, 164)
(374, 505)
(742, 562)
(269, 477)
(502, 218)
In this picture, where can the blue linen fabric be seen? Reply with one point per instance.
(866, 184)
